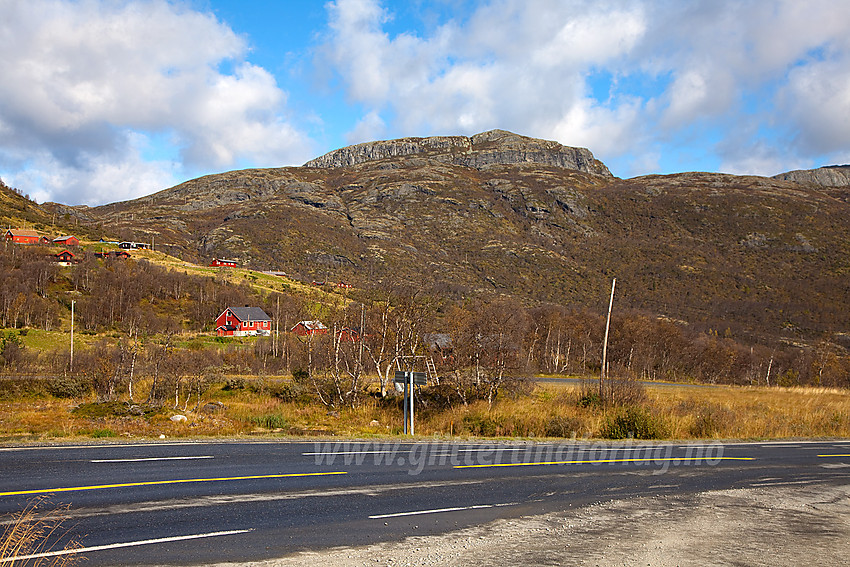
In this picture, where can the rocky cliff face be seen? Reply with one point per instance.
(829, 176)
(496, 147)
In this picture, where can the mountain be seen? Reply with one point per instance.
(831, 176)
(503, 214)
(496, 147)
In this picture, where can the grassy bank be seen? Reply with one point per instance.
(273, 407)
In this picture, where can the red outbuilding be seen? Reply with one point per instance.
(309, 328)
(243, 322)
(66, 241)
(221, 263)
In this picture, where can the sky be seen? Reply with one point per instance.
(108, 100)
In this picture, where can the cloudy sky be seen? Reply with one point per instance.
(105, 100)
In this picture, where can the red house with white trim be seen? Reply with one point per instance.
(243, 322)
(25, 236)
(222, 263)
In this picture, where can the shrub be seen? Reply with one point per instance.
(291, 392)
(19, 387)
(481, 425)
(68, 387)
(561, 426)
(233, 384)
(102, 433)
(632, 422)
(589, 398)
(270, 421)
(710, 420)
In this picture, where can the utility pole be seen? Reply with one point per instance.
(604, 372)
(72, 336)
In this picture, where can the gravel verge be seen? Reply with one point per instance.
(776, 525)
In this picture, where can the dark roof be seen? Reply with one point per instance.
(249, 314)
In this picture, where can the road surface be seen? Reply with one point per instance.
(194, 503)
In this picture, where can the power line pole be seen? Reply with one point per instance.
(604, 372)
(71, 366)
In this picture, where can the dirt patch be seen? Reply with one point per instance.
(778, 525)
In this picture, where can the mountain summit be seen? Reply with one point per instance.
(496, 147)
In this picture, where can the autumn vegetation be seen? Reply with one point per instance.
(145, 350)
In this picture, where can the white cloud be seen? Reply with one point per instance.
(94, 178)
(370, 127)
(80, 79)
(693, 69)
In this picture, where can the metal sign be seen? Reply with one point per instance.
(404, 378)
(406, 381)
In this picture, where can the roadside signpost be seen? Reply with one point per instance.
(409, 380)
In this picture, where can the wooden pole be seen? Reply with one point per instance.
(71, 366)
(603, 374)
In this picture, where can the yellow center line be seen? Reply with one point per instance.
(593, 462)
(833, 456)
(157, 482)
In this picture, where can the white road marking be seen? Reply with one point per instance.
(782, 483)
(104, 446)
(151, 459)
(400, 451)
(118, 545)
(439, 510)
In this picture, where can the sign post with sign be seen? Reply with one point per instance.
(409, 380)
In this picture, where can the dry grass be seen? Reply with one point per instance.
(33, 532)
(550, 411)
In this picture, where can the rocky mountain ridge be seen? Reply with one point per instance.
(828, 176)
(495, 147)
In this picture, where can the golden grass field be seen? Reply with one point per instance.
(547, 411)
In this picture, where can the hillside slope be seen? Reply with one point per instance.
(753, 255)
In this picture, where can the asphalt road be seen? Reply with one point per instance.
(206, 502)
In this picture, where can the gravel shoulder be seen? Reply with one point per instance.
(776, 525)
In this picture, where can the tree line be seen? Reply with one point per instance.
(479, 348)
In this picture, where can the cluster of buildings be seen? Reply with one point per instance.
(28, 236)
(66, 257)
(253, 321)
(233, 321)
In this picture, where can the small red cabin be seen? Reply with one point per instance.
(243, 322)
(65, 257)
(220, 263)
(309, 328)
(66, 241)
(349, 335)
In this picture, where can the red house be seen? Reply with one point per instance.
(66, 241)
(243, 322)
(309, 328)
(349, 335)
(220, 263)
(24, 236)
